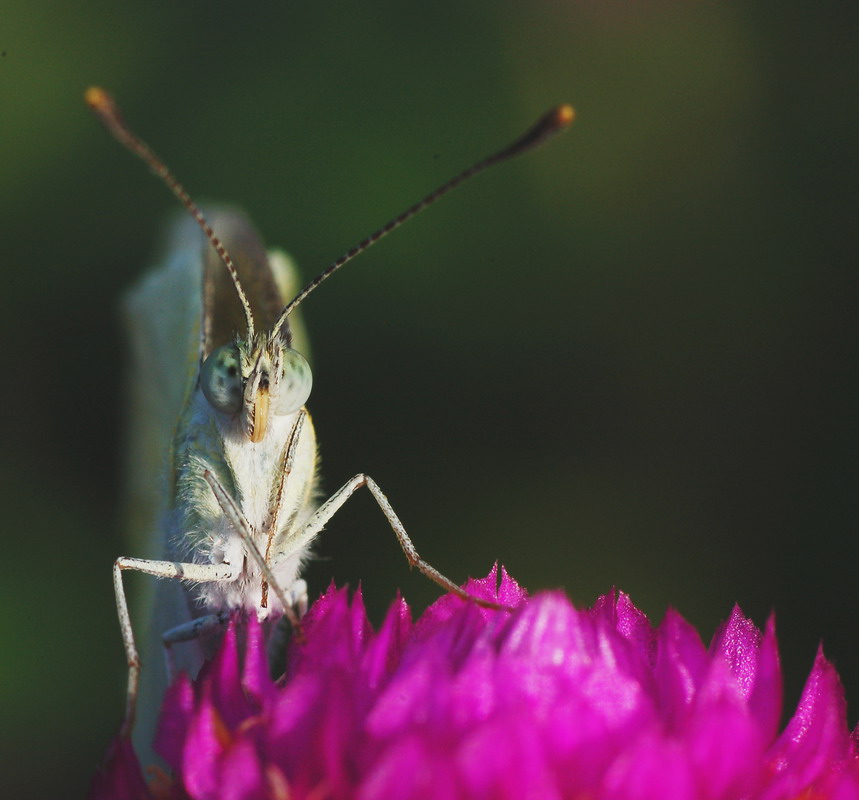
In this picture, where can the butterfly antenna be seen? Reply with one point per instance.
(103, 104)
(547, 126)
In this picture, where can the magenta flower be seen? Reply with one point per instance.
(545, 702)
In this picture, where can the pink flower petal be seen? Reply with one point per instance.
(543, 701)
(204, 746)
(120, 776)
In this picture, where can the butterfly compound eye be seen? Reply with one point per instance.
(221, 379)
(295, 383)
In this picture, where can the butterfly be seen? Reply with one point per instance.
(223, 447)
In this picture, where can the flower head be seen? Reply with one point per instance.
(545, 702)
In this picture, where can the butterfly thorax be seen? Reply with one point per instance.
(264, 459)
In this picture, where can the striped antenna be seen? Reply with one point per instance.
(103, 104)
(547, 126)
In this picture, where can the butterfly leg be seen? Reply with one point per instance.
(243, 528)
(188, 631)
(201, 573)
(331, 506)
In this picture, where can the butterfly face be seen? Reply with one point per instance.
(255, 378)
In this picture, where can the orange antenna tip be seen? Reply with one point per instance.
(564, 115)
(97, 98)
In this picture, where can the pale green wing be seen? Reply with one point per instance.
(163, 317)
(164, 321)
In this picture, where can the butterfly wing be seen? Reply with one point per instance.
(175, 316)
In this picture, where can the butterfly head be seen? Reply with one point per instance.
(254, 378)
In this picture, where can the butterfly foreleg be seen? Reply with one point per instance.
(243, 528)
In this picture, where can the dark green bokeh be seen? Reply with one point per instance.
(628, 359)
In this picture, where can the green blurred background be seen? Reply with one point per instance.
(627, 359)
